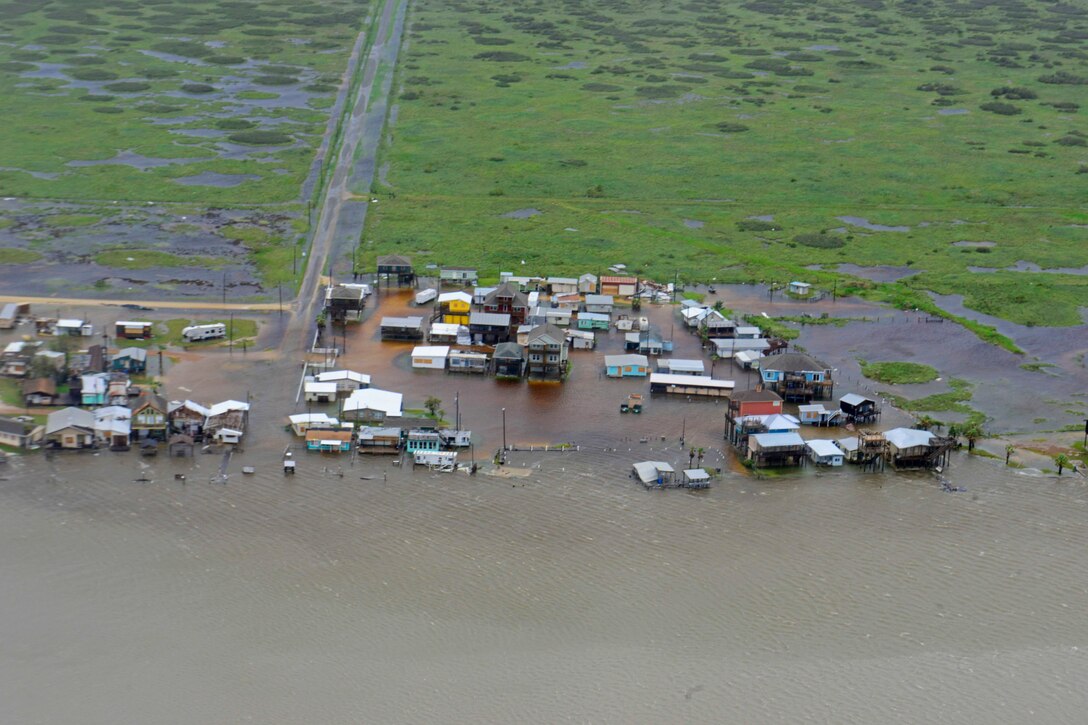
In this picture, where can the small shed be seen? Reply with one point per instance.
(696, 478)
(801, 289)
(858, 408)
(653, 473)
(315, 392)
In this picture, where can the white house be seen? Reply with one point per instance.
(302, 422)
(430, 357)
(315, 392)
(373, 404)
(346, 380)
(802, 289)
(824, 452)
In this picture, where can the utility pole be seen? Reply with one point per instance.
(504, 433)
(231, 334)
(280, 288)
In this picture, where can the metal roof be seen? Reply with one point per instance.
(823, 447)
(619, 360)
(778, 440)
(489, 319)
(908, 437)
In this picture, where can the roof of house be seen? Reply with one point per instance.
(375, 399)
(69, 418)
(800, 284)
(813, 408)
(12, 426)
(227, 406)
(40, 386)
(369, 432)
(332, 376)
(394, 260)
(681, 364)
(187, 405)
(405, 322)
(562, 280)
(648, 471)
(908, 437)
(848, 444)
(855, 399)
(691, 381)
(332, 436)
(778, 440)
(594, 316)
(592, 299)
(148, 397)
(449, 268)
(547, 333)
(747, 331)
(319, 388)
(753, 396)
(619, 280)
(133, 353)
(793, 362)
(696, 474)
(489, 319)
(345, 292)
(823, 447)
(94, 383)
(132, 323)
(431, 351)
(455, 296)
(312, 418)
(613, 361)
(445, 328)
(508, 351)
(69, 323)
(507, 290)
(588, 276)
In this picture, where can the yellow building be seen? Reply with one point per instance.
(456, 307)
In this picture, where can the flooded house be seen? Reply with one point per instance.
(9, 315)
(19, 433)
(587, 283)
(131, 360)
(430, 357)
(824, 452)
(317, 392)
(568, 301)
(816, 414)
(562, 286)
(619, 286)
(728, 347)
(797, 377)
(679, 366)
(654, 473)
(691, 385)
(347, 381)
(626, 366)
(372, 406)
(747, 359)
(776, 449)
(464, 276)
(507, 300)
(150, 416)
(396, 270)
(508, 360)
(455, 307)
(593, 321)
(912, 448)
(404, 329)
(373, 439)
(229, 415)
(328, 441)
(858, 408)
(342, 299)
(715, 324)
(468, 361)
(422, 440)
(444, 332)
(581, 339)
(94, 389)
(301, 423)
(133, 329)
(72, 327)
(600, 304)
(489, 328)
(113, 426)
(480, 293)
(651, 341)
(693, 316)
(801, 289)
(119, 389)
(755, 402)
(547, 351)
(39, 392)
(70, 428)
(187, 417)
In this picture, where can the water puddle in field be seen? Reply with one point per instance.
(573, 65)
(878, 273)
(857, 221)
(694, 224)
(953, 112)
(762, 217)
(975, 245)
(521, 213)
(1025, 266)
(211, 178)
(47, 176)
(823, 47)
(136, 161)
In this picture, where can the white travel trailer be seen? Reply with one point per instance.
(214, 331)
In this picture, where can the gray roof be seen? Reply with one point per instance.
(903, 438)
(619, 360)
(792, 362)
(778, 440)
(12, 426)
(508, 351)
(599, 299)
(546, 332)
(490, 319)
(855, 399)
(69, 418)
(394, 260)
(134, 353)
(410, 322)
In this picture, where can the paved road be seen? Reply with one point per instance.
(342, 217)
(155, 304)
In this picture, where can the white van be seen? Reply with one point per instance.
(214, 331)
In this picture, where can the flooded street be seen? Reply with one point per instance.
(554, 589)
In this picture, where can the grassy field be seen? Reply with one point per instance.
(185, 88)
(755, 142)
(898, 373)
(243, 329)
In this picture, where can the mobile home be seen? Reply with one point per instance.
(214, 331)
(132, 330)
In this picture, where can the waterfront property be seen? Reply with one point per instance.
(430, 357)
(587, 283)
(316, 392)
(696, 478)
(328, 441)
(422, 440)
(508, 360)
(344, 298)
(20, 434)
(678, 366)
(691, 385)
(347, 381)
(301, 423)
(455, 307)
(754, 402)
(801, 289)
(562, 286)
(728, 347)
(229, 415)
(396, 269)
(797, 377)
(567, 301)
(445, 332)
(407, 329)
(858, 408)
(149, 416)
(654, 473)
(468, 361)
(747, 359)
(600, 304)
(912, 448)
(715, 324)
(547, 349)
(776, 449)
(374, 439)
(626, 366)
(458, 275)
(816, 414)
(581, 339)
(187, 417)
(113, 426)
(824, 452)
(70, 428)
(489, 328)
(372, 405)
(619, 286)
(507, 300)
(94, 389)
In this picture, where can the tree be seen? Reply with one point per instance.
(925, 422)
(1061, 461)
(954, 434)
(433, 406)
(1009, 448)
(972, 432)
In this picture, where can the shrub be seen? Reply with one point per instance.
(128, 86)
(234, 124)
(1071, 141)
(1014, 94)
(757, 225)
(727, 127)
(261, 138)
(501, 56)
(197, 88)
(1064, 78)
(1002, 109)
(92, 74)
(820, 240)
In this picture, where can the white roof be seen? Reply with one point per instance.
(375, 399)
(823, 447)
(445, 328)
(69, 417)
(69, 323)
(800, 284)
(312, 418)
(648, 470)
(776, 421)
(908, 437)
(598, 316)
(696, 474)
(583, 334)
(848, 444)
(468, 354)
(737, 344)
(632, 336)
(778, 440)
(431, 351)
(332, 376)
(95, 382)
(855, 399)
(679, 364)
(620, 360)
(748, 355)
(562, 280)
(696, 313)
(14, 347)
(195, 407)
(813, 408)
(136, 353)
(226, 406)
(133, 323)
(452, 296)
(51, 354)
(410, 321)
(696, 381)
(316, 387)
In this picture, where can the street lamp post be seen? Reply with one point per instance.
(504, 432)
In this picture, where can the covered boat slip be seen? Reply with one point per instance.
(702, 385)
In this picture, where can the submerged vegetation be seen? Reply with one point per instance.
(898, 373)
